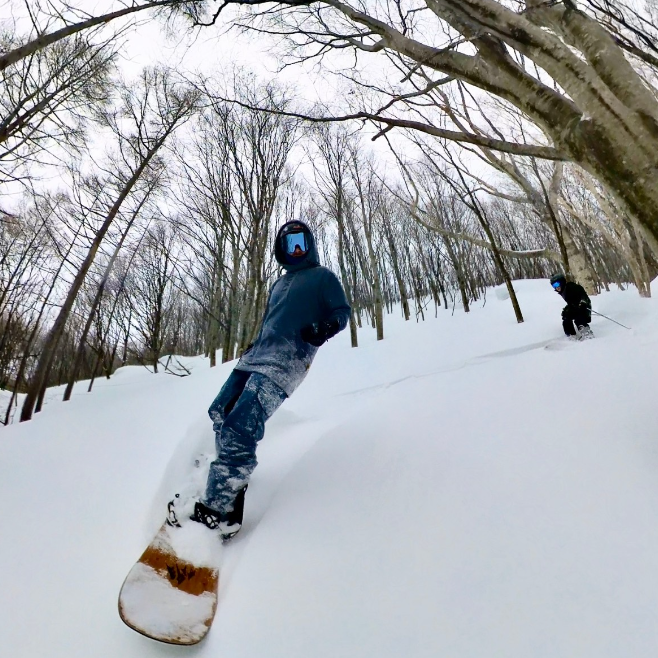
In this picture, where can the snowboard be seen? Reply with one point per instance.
(170, 593)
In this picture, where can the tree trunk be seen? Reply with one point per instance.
(55, 333)
(404, 300)
(346, 283)
(45, 40)
(580, 270)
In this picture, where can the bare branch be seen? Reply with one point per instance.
(544, 152)
(45, 40)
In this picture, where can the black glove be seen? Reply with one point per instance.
(319, 332)
(566, 312)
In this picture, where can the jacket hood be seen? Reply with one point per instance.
(289, 263)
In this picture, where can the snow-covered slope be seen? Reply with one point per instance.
(468, 487)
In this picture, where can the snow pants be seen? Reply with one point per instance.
(579, 314)
(238, 413)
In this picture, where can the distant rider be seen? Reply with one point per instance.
(578, 310)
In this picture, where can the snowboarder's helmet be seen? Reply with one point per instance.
(294, 242)
(558, 280)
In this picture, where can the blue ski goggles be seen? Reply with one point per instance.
(294, 244)
(556, 285)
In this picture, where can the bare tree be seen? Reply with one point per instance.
(46, 99)
(233, 169)
(43, 245)
(330, 172)
(156, 108)
(152, 291)
(95, 304)
(369, 192)
(76, 21)
(564, 67)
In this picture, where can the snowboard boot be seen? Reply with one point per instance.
(585, 332)
(228, 524)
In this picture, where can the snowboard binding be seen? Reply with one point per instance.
(228, 524)
(172, 519)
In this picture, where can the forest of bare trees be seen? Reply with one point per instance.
(512, 140)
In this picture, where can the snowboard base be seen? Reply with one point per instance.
(170, 594)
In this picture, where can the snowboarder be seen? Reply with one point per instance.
(306, 307)
(578, 309)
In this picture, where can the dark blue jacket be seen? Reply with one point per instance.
(307, 293)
